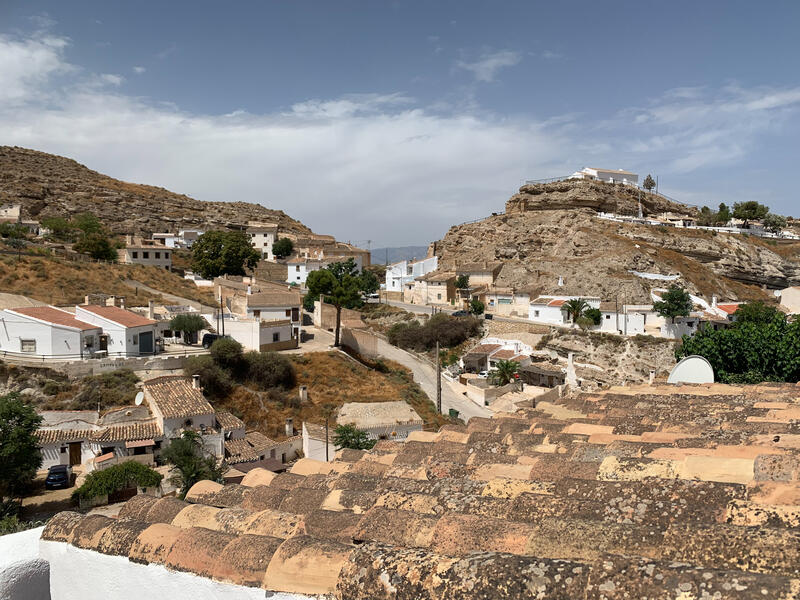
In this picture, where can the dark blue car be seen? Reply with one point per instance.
(58, 476)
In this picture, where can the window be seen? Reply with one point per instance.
(283, 458)
(608, 316)
(63, 449)
(298, 278)
(272, 453)
(438, 296)
(288, 312)
(135, 339)
(166, 254)
(276, 337)
(297, 268)
(158, 254)
(27, 345)
(145, 255)
(536, 313)
(134, 254)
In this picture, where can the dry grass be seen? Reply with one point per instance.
(57, 280)
(332, 379)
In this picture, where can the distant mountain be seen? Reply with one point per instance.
(379, 255)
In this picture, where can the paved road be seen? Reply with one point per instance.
(425, 375)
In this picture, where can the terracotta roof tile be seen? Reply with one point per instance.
(55, 436)
(118, 315)
(175, 398)
(228, 421)
(55, 316)
(127, 433)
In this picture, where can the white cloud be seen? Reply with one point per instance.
(368, 165)
(487, 66)
(139, 70)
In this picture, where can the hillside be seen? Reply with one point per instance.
(552, 230)
(49, 185)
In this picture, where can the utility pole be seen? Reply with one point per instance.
(222, 315)
(438, 379)
(616, 311)
(327, 458)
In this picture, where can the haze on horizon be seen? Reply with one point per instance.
(393, 121)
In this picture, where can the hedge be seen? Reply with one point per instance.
(118, 477)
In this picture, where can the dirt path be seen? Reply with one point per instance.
(172, 297)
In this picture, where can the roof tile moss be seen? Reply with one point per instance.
(745, 513)
(264, 497)
(306, 565)
(396, 527)
(197, 550)
(339, 526)
(349, 500)
(119, 536)
(245, 560)
(349, 455)
(356, 481)
(137, 507)
(302, 501)
(89, 530)
(228, 495)
(460, 534)
(286, 481)
(197, 515)
(154, 543)
(164, 510)
(61, 527)
(201, 490)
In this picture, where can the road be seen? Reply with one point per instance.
(422, 309)
(176, 299)
(425, 376)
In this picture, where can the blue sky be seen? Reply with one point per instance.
(392, 121)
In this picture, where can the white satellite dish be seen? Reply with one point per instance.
(692, 369)
(139, 398)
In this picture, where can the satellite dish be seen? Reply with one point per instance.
(692, 369)
(139, 398)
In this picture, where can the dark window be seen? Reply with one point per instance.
(166, 254)
(158, 254)
(134, 254)
(145, 255)
(63, 449)
(276, 337)
(288, 312)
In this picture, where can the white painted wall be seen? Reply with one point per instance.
(315, 449)
(52, 455)
(399, 274)
(23, 574)
(120, 338)
(631, 323)
(87, 575)
(51, 340)
(298, 273)
(550, 315)
(263, 241)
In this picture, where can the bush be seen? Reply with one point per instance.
(228, 354)
(449, 331)
(116, 388)
(215, 381)
(584, 322)
(118, 477)
(594, 315)
(269, 369)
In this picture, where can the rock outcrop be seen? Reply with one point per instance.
(48, 185)
(553, 230)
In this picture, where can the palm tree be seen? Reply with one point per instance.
(575, 307)
(504, 372)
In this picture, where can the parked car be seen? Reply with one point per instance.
(58, 476)
(461, 313)
(483, 374)
(210, 338)
(488, 316)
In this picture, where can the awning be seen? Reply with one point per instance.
(140, 444)
(104, 457)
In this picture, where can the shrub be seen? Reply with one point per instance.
(449, 331)
(116, 388)
(228, 354)
(269, 369)
(216, 382)
(118, 477)
(594, 315)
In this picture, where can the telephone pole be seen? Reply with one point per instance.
(438, 379)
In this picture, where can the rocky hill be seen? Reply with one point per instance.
(49, 185)
(552, 230)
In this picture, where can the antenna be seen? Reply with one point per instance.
(139, 398)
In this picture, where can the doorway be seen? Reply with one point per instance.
(146, 342)
(74, 453)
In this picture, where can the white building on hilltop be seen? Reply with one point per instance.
(607, 175)
(401, 274)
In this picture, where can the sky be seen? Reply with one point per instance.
(385, 123)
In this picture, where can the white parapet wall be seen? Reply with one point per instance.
(76, 573)
(23, 574)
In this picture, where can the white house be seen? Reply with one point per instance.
(262, 237)
(298, 269)
(627, 319)
(262, 301)
(400, 274)
(314, 442)
(607, 175)
(549, 310)
(125, 333)
(188, 237)
(381, 420)
(170, 240)
(64, 436)
(49, 332)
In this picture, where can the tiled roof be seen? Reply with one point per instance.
(633, 492)
(176, 398)
(485, 349)
(504, 354)
(127, 433)
(728, 308)
(376, 414)
(56, 316)
(317, 432)
(228, 421)
(274, 298)
(249, 448)
(54, 436)
(556, 303)
(118, 315)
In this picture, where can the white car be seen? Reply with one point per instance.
(483, 374)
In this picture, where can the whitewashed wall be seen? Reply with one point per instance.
(23, 574)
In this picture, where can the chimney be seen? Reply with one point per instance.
(111, 301)
(122, 301)
(151, 313)
(289, 427)
(249, 289)
(196, 382)
(86, 299)
(560, 281)
(303, 394)
(713, 302)
(652, 376)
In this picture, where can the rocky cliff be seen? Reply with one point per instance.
(48, 185)
(553, 230)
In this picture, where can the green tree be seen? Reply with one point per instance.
(755, 312)
(476, 307)
(187, 323)
(369, 283)
(228, 354)
(191, 462)
(675, 302)
(217, 253)
(749, 211)
(594, 315)
(60, 228)
(462, 282)
(216, 381)
(723, 214)
(338, 284)
(282, 247)
(504, 372)
(87, 223)
(649, 183)
(97, 245)
(774, 223)
(347, 436)
(707, 217)
(20, 456)
(117, 477)
(575, 307)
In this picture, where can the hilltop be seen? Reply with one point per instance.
(49, 185)
(552, 230)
